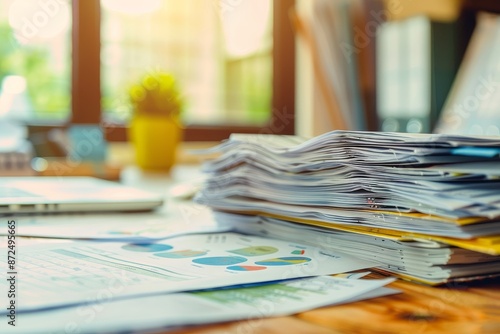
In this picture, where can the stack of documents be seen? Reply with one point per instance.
(442, 190)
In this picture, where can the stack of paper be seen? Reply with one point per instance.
(391, 185)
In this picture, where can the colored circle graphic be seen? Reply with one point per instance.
(220, 260)
(254, 251)
(182, 254)
(284, 261)
(147, 247)
(246, 268)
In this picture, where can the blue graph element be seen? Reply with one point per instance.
(151, 248)
(220, 260)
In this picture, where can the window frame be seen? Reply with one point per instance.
(86, 78)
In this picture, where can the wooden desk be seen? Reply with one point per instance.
(419, 309)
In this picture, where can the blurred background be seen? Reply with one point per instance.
(261, 66)
(220, 53)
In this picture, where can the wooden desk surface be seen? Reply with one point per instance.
(419, 309)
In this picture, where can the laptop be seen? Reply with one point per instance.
(71, 194)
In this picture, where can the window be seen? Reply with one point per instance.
(114, 42)
(35, 61)
(201, 45)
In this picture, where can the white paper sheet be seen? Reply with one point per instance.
(155, 312)
(181, 219)
(75, 272)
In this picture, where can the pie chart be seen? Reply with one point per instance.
(147, 247)
(254, 251)
(284, 261)
(246, 268)
(220, 260)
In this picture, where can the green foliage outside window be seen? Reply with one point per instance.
(48, 90)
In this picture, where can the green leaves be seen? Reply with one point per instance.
(157, 93)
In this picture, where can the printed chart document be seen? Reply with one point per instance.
(178, 309)
(52, 275)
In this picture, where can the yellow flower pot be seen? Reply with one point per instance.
(155, 139)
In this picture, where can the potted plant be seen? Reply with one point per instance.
(155, 129)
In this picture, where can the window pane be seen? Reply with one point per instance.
(35, 59)
(220, 51)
